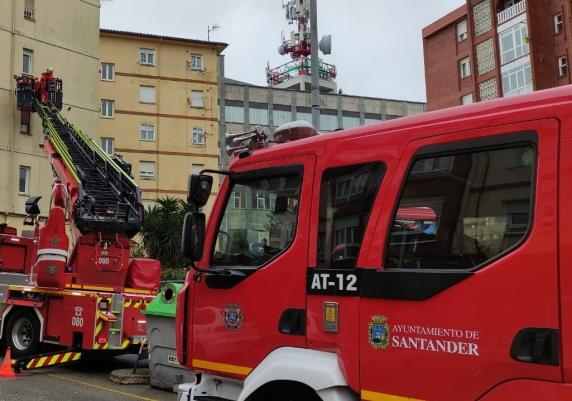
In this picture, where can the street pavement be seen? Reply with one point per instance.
(87, 381)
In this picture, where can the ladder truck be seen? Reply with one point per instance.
(74, 284)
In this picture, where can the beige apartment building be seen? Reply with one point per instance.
(159, 108)
(34, 35)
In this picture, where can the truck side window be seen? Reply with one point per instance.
(461, 210)
(259, 221)
(346, 197)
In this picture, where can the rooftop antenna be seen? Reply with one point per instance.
(212, 28)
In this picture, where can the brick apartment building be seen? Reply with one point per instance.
(493, 48)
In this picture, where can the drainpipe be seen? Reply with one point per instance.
(12, 168)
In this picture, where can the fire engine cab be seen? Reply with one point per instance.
(425, 258)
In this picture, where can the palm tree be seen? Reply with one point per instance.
(161, 232)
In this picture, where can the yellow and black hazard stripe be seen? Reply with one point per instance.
(52, 360)
(136, 303)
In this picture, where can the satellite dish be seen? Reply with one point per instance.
(281, 50)
(325, 44)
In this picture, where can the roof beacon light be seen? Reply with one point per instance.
(293, 131)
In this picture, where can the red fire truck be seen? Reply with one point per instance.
(458, 285)
(87, 295)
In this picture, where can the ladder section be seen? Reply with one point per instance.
(109, 200)
(116, 327)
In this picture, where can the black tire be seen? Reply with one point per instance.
(22, 333)
(285, 391)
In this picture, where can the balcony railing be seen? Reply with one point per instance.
(511, 12)
(29, 13)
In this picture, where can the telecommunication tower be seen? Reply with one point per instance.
(296, 74)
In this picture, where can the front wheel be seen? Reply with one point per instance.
(23, 333)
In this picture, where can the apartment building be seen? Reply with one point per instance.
(159, 107)
(35, 35)
(492, 48)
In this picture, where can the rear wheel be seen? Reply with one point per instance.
(285, 391)
(23, 333)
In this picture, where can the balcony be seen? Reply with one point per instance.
(29, 13)
(511, 12)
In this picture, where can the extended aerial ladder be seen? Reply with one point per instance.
(90, 298)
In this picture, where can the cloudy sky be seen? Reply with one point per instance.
(377, 45)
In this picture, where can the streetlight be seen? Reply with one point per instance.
(213, 28)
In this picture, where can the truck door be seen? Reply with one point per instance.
(252, 300)
(464, 293)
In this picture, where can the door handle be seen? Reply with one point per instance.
(293, 321)
(536, 345)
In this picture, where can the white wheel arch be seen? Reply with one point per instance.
(317, 369)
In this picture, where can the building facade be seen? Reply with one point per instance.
(492, 48)
(159, 108)
(35, 35)
(247, 106)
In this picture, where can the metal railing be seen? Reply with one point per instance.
(299, 67)
(511, 12)
(29, 13)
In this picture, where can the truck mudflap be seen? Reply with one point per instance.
(46, 360)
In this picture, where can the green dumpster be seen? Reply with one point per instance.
(165, 371)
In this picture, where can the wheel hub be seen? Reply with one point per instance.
(22, 334)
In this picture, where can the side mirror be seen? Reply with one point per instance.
(200, 186)
(193, 239)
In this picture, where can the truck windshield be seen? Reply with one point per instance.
(259, 221)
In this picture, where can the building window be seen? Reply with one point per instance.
(147, 56)
(197, 168)
(196, 62)
(462, 31)
(197, 99)
(510, 3)
(262, 200)
(107, 108)
(147, 132)
(467, 99)
(27, 56)
(562, 66)
(350, 119)
(464, 68)
(107, 144)
(281, 116)
(304, 114)
(258, 114)
(517, 80)
(147, 169)
(24, 180)
(146, 94)
(513, 43)
(461, 220)
(558, 23)
(198, 136)
(329, 121)
(107, 72)
(29, 10)
(234, 111)
(346, 198)
(372, 118)
(25, 126)
(238, 199)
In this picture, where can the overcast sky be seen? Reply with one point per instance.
(377, 45)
